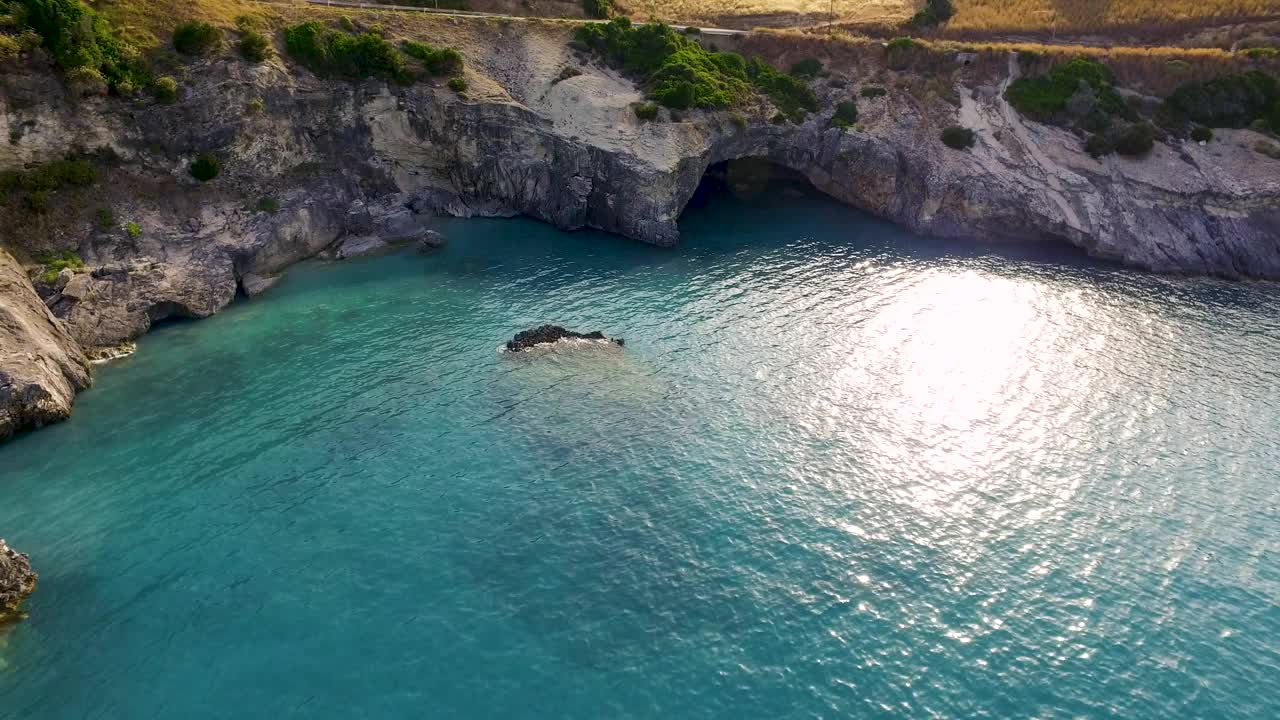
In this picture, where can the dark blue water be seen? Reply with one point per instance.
(838, 471)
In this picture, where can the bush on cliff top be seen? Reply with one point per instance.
(1232, 101)
(77, 37)
(1047, 98)
(437, 61)
(679, 73)
(333, 53)
(254, 46)
(196, 38)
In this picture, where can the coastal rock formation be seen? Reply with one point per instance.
(17, 581)
(41, 367)
(553, 333)
(334, 168)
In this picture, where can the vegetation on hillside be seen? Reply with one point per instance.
(846, 114)
(935, 12)
(55, 263)
(334, 53)
(679, 73)
(1078, 88)
(1232, 101)
(958, 138)
(79, 39)
(1081, 95)
(597, 8)
(437, 61)
(196, 38)
(331, 52)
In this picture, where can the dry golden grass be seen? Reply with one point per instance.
(1076, 16)
(149, 23)
(778, 13)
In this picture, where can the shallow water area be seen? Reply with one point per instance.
(837, 471)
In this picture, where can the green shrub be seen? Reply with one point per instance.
(267, 205)
(196, 38)
(679, 73)
(779, 118)
(75, 36)
(205, 167)
(1262, 53)
(806, 68)
(958, 138)
(935, 12)
(901, 53)
(165, 89)
(1134, 139)
(106, 219)
(597, 8)
(9, 48)
(846, 115)
(1098, 145)
(245, 23)
(646, 110)
(72, 172)
(437, 61)
(1202, 134)
(134, 229)
(1231, 101)
(1046, 98)
(36, 202)
(328, 52)
(458, 84)
(739, 121)
(254, 46)
(346, 23)
(691, 30)
(255, 106)
(873, 91)
(57, 262)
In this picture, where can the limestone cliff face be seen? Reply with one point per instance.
(41, 367)
(346, 161)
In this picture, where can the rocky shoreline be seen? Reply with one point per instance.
(338, 169)
(17, 581)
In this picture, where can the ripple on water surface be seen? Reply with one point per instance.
(837, 471)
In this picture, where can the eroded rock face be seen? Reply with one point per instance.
(351, 168)
(17, 581)
(553, 333)
(41, 367)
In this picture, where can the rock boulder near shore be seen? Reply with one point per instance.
(17, 581)
(552, 333)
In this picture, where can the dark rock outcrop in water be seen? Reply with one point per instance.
(17, 580)
(551, 333)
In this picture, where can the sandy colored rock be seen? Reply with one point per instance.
(41, 367)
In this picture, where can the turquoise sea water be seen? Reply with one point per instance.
(837, 471)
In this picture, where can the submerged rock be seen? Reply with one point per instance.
(552, 333)
(17, 580)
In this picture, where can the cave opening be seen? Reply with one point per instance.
(749, 180)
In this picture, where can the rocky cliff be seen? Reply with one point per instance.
(41, 367)
(311, 164)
